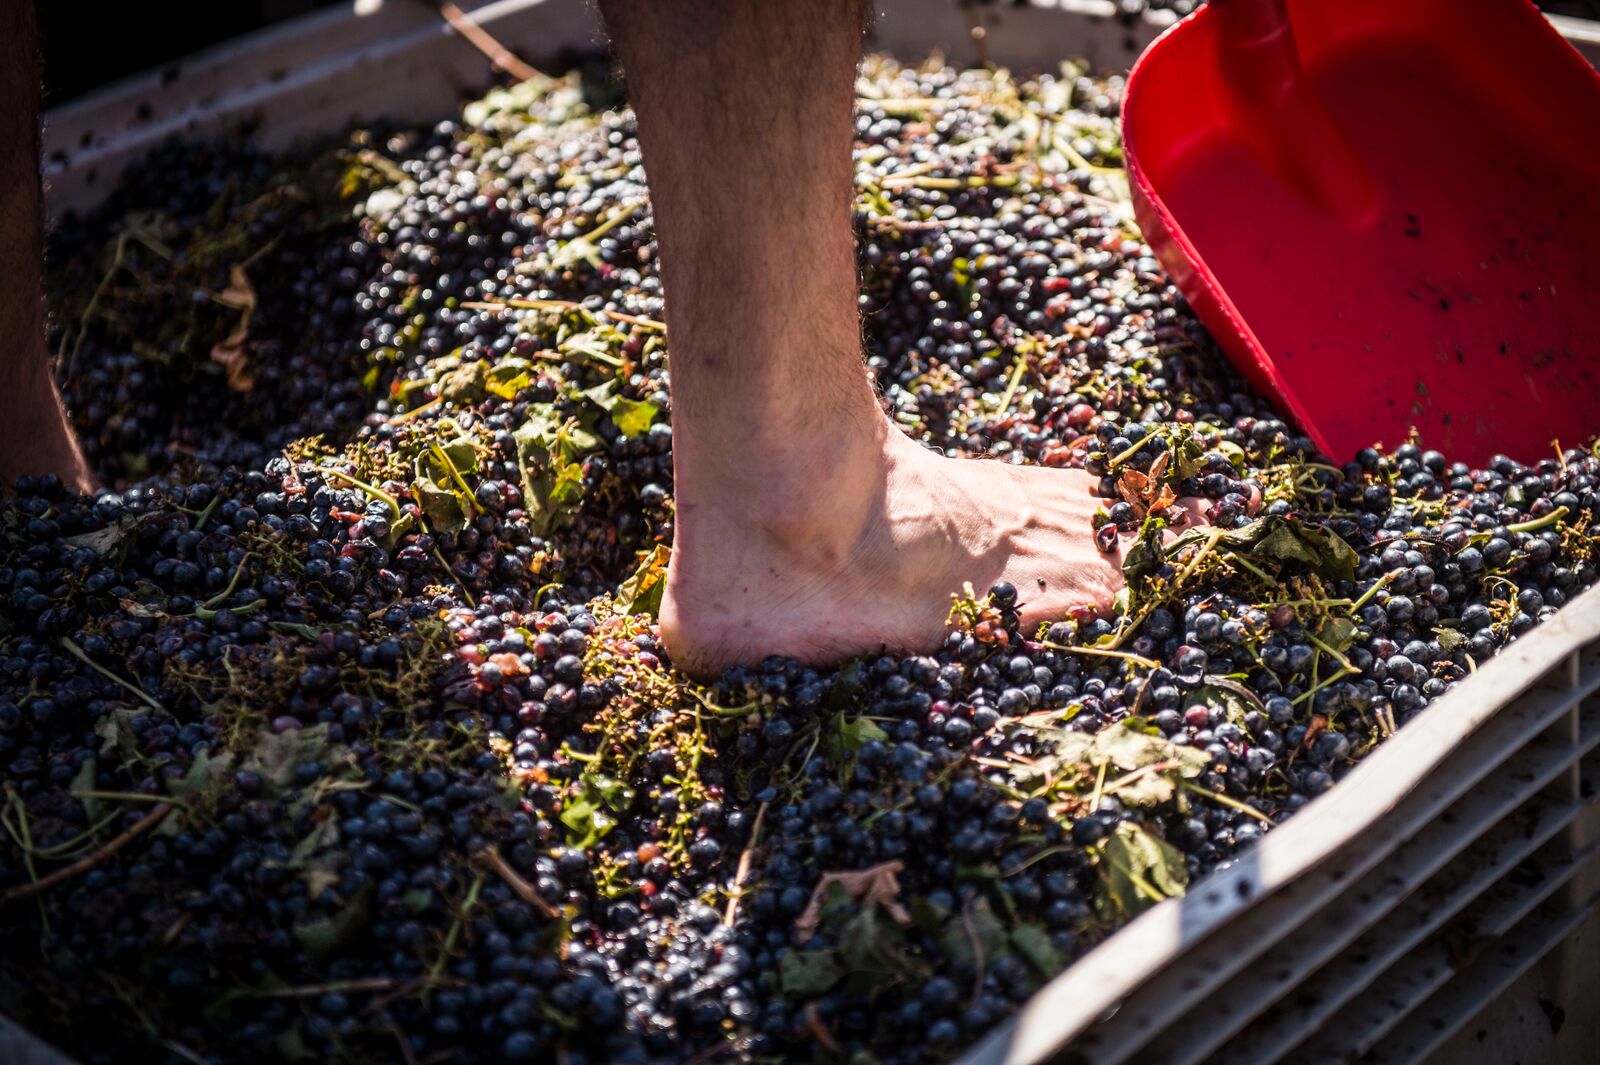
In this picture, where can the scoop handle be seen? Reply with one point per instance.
(1251, 21)
(1277, 110)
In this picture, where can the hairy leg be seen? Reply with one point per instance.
(807, 524)
(34, 434)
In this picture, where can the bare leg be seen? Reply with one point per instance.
(807, 524)
(34, 435)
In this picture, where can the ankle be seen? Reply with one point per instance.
(809, 496)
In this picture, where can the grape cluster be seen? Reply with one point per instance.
(339, 727)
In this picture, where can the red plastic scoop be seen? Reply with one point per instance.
(1387, 212)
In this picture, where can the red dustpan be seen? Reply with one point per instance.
(1387, 211)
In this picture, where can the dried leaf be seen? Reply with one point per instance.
(642, 592)
(1146, 492)
(116, 733)
(878, 885)
(229, 353)
(112, 542)
(277, 755)
(135, 609)
(466, 384)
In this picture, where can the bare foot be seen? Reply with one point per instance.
(35, 436)
(842, 570)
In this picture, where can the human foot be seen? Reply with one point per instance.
(36, 439)
(870, 560)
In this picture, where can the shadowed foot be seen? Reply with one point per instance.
(875, 569)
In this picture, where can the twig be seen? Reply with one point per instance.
(1226, 800)
(746, 860)
(1142, 771)
(373, 983)
(407, 1054)
(819, 1030)
(183, 1052)
(1099, 787)
(525, 891)
(1103, 652)
(561, 305)
(454, 932)
(143, 825)
(503, 59)
(978, 963)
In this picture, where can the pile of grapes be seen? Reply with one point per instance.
(339, 728)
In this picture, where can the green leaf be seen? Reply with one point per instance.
(873, 948)
(548, 450)
(1129, 748)
(84, 780)
(1057, 749)
(438, 486)
(508, 377)
(1338, 633)
(928, 915)
(590, 815)
(290, 1042)
(462, 453)
(1450, 640)
(208, 775)
(632, 416)
(442, 506)
(1219, 693)
(1034, 944)
(316, 859)
(641, 593)
(323, 937)
(850, 734)
(1139, 869)
(809, 973)
(976, 929)
(1273, 538)
(1318, 546)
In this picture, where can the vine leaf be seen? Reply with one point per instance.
(633, 417)
(641, 593)
(1139, 869)
(239, 295)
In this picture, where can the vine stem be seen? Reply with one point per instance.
(82, 865)
(746, 860)
(83, 656)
